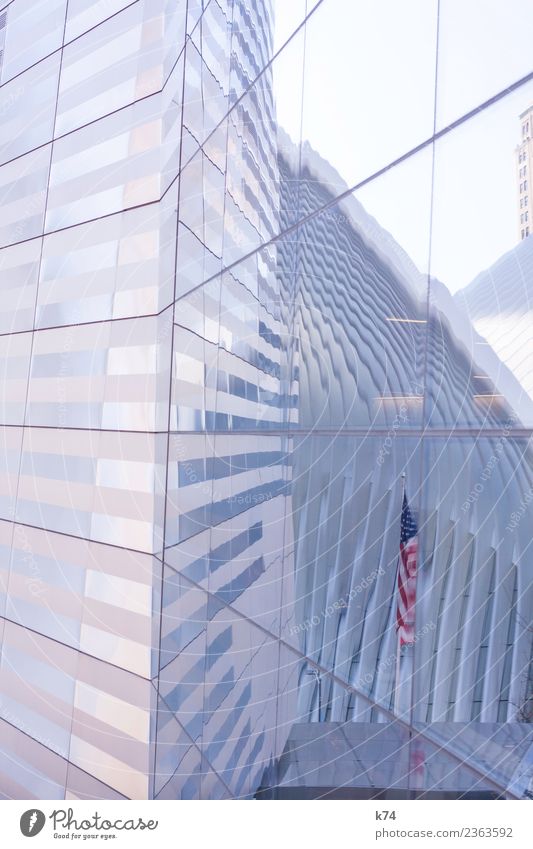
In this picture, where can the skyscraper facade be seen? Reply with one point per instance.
(145, 485)
(245, 307)
(523, 164)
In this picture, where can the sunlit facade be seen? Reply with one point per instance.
(253, 290)
(146, 474)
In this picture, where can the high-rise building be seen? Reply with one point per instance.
(524, 154)
(145, 456)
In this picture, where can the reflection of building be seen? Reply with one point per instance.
(497, 304)
(143, 572)
(363, 761)
(524, 157)
(475, 584)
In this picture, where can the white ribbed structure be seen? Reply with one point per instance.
(475, 588)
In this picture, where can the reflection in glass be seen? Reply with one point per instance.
(273, 298)
(479, 298)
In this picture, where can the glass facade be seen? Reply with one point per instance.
(261, 276)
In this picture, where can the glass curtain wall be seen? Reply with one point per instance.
(267, 278)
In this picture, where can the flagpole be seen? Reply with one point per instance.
(397, 681)
(398, 647)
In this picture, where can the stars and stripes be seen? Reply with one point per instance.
(405, 611)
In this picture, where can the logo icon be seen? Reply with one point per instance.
(32, 822)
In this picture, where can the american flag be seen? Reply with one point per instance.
(405, 611)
